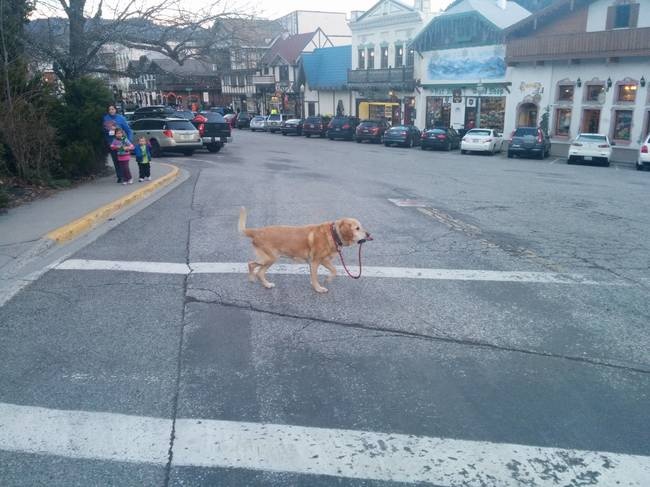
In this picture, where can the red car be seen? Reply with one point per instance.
(371, 130)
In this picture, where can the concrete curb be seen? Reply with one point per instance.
(80, 225)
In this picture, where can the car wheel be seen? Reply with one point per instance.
(188, 153)
(422, 147)
(358, 141)
(639, 167)
(252, 130)
(510, 155)
(448, 148)
(386, 144)
(331, 138)
(284, 133)
(156, 151)
(410, 144)
(214, 147)
(570, 160)
(307, 135)
(463, 151)
(606, 163)
(541, 155)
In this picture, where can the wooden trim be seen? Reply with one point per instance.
(634, 15)
(611, 14)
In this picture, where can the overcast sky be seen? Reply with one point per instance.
(276, 8)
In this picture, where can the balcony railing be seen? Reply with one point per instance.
(609, 43)
(265, 79)
(401, 78)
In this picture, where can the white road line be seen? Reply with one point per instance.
(307, 450)
(383, 272)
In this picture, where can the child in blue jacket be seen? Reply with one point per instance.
(143, 157)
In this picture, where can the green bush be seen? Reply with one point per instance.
(77, 117)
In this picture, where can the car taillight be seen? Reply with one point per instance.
(201, 129)
(603, 146)
(511, 136)
(540, 139)
(644, 149)
(375, 130)
(423, 135)
(346, 126)
(441, 136)
(168, 133)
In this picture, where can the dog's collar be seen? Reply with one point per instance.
(335, 236)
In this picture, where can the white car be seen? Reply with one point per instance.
(258, 123)
(590, 148)
(643, 161)
(481, 140)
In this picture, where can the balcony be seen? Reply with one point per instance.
(265, 80)
(396, 78)
(583, 45)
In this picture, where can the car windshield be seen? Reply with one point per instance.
(369, 123)
(437, 131)
(338, 121)
(275, 117)
(591, 138)
(479, 133)
(185, 114)
(313, 120)
(210, 117)
(179, 125)
(259, 119)
(522, 132)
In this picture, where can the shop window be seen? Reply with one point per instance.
(399, 56)
(493, 109)
(362, 59)
(384, 57)
(410, 57)
(284, 73)
(438, 111)
(622, 124)
(565, 93)
(627, 92)
(595, 93)
(591, 121)
(562, 122)
(311, 108)
(265, 70)
(371, 58)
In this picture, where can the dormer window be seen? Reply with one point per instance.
(622, 16)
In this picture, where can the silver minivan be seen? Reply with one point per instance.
(275, 120)
(167, 135)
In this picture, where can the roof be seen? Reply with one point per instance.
(288, 49)
(548, 12)
(489, 9)
(189, 67)
(327, 68)
(399, 5)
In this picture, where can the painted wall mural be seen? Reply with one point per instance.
(485, 62)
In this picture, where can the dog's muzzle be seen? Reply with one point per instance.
(367, 239)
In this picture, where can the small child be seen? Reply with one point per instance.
(143, 157)
(123, 146)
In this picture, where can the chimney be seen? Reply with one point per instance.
(502, 4)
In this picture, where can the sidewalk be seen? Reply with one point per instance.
(32, 229)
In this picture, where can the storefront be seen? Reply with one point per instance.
(465, 107)
(378, 110)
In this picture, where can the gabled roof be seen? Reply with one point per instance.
(489, 9)
(327, 68)
(547, 14)
(288, 49)
(191, 67)
(395, 5)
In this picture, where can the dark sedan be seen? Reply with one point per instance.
(371, 130)
(342, 128)
(440, 138)
(315, 126)
(292, 126)
(404, 135)
(244, 120)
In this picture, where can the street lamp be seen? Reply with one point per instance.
(480, 89)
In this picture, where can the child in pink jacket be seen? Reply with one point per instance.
(123, 146)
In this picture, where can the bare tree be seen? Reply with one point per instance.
(74, 40)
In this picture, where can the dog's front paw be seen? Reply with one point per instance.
(320, 289)
(269, 285)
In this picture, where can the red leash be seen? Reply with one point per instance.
(339, 244)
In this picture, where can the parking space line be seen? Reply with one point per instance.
(302, 269)
(306, 450)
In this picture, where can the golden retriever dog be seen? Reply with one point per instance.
(316, 244)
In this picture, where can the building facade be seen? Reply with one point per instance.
(303, 21)
(581, 66)
(381, 75)
(323, 81)
(461, 68)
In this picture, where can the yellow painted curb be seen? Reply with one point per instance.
(88, 221)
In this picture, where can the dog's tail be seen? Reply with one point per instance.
(242, 223)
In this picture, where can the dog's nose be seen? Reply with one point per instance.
(368, 237)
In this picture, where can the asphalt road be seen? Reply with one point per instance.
(563, 364)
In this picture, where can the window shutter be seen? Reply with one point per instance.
(611, 14)
(634, 15)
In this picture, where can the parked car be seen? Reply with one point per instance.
(342, 128)
(221, 110)
(168, 135)
(244, 120)
(315, 126)
(258, 123)
(481, 140)
(274, 121)
(231, 119)
(371, 130)
(529, 141)
(186, 114)
(643, 161)
(292, 126)
(404, 135)
(440, 138)
(590, 148)
(213, 129)
(153, 111)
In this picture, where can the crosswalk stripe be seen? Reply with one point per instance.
(379, 272)
(308, 450)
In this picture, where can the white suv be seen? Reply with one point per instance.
(590, 148)
(643, 161)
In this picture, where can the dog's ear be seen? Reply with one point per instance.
(346, 231)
